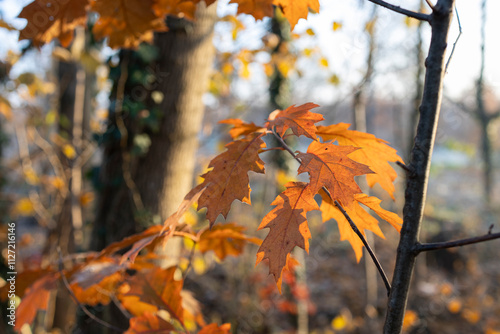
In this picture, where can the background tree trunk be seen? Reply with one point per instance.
(164, 175)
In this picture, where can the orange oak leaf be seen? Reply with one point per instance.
(149, 323)
(157, 288)
(299, 119)
(129, 241)
(329, 166)
(288, 226)
(99, 293)
(50, 19)
(23, 281)
(126, 23)
(179, 8)
(241, 128)
(257, 8)
(297, 9)
(362, 219)
(35, 298)
(224, 240)
(228, 180)
(373, 152)
(216, 329)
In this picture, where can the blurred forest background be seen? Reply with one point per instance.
(97, 144)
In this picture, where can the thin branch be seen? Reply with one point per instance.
(430, 4)
(397, 9)
(75, 299)
(286, 147)
(405, 167)
(456, 243)
(370, 251)
(456, 40)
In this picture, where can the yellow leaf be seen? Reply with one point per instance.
(31, 177)
(57, 182)
(23, 207)
(411, 22)
(5, 108)
(86, 198)
(199, 265)
(323, 62)
(69, 151)
(339, 323)
(410, 318)
(308, 52)
(51, 117)
(227, 68)
(472, 316)
(336, 26)
(310, 32)
(334, 80)
(446, 289)
(454, 305)
(370, 26)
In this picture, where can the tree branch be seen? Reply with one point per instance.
(370, 251)
(455, 243)
(416, 184)
(456, 40)
(397, 9)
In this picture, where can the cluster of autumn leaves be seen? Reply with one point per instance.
(128, 23)
(154, 296)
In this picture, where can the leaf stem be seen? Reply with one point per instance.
(370, 251)
(455, 243)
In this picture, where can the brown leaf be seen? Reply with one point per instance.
(228, 180)
(257, 8)
(362, 219)
(149, 323)
(158, 288)
(224, 240)
(288, 226)
(299, 119)
(216, 329)
(241, 128)
(373, 152)
(126, 23)
(50, 19)
(297, 9)
(36, 298)
(329, 166)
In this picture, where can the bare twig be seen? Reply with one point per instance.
(456, 243)
(397, 9)
(456, 40)
(430, 4)
(405, 167)
(285, 146)
(75, 299)
(370, 251)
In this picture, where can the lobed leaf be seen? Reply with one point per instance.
(288, 227)
(373, 152)
(52, 19)
(228, 180)
(224, 240)
(149, 323)
(299, 119)
(329, 166)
